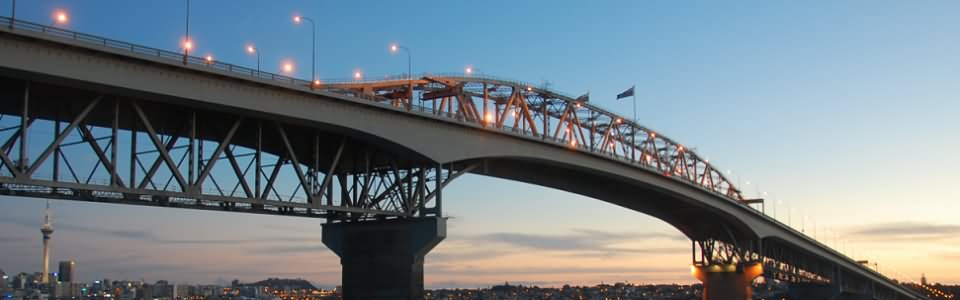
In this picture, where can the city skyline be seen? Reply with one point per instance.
(839, 150)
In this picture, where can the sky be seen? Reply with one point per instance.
(842, 112)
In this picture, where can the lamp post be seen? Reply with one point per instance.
(313, 45)
(187, 43)
(13, 12)
(251, 49)
(394, 48)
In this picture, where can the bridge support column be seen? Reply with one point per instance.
(728, 282)
(384, 259)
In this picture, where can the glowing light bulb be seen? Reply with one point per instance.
(61, 17)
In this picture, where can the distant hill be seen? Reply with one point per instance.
(284, 284)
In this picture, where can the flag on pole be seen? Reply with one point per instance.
(627, 93)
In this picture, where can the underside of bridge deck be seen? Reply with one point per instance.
(61, 140)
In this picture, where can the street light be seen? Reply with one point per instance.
(313, 44)
(251, 49)
(469, 71)
(287, 67)
(357, 75)
(187, 43)
(60, 17)
(394, 48)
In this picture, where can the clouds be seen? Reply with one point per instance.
(290, 248)
(461, 255)
(582, 241)
(14, 239)
(181, 245)
(907, 231)
(151, 236)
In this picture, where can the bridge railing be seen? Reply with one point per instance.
(185, 58)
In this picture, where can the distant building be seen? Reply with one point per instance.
(19, 282)
(3, 280)
(67, 272)
(66, 290)
(160, 290)
(923, 279)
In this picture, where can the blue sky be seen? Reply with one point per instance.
(843, 111)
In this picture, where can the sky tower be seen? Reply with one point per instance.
(47, 230)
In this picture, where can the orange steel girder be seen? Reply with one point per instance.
(503, 105)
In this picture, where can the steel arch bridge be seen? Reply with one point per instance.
(93, 119)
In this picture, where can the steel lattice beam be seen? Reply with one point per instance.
(167, 165)
(540, 113)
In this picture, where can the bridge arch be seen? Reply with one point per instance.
(643, 193)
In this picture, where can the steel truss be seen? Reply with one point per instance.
(71, 144)
(542, 114)
(776, 265)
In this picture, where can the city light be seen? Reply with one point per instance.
(61, 17)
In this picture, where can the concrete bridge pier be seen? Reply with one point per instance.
(728, 282)
(384, 259)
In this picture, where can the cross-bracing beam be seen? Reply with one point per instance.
(66, 143)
